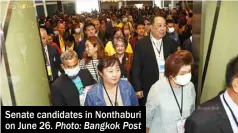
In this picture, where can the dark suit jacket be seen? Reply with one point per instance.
(81, 48)
(55, 62)
(65, 93)
(144, 66)
(68, 33)
(187, 45)
(210, 117)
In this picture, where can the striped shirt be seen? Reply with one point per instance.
(92, 67)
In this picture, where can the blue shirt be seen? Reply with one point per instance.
(78, 83)
(95, 96)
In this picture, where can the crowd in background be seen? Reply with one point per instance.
(125, 57)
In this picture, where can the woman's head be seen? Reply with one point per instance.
(178, 67)
(126, 29)
(94, 48)
(119, 45)
(109, 69)
(117, 33)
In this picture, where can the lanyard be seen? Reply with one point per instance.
(116, 103)
(233, 115)
(156, 47)
(95, 70)
(180, 108)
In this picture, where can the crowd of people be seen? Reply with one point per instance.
(125, 57)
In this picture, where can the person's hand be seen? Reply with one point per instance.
(139, 94)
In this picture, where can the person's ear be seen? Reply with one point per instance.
(99, 73)
(62, 65)
(235, 85)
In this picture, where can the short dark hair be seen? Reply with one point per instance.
(87, 25)
(169, 21)
(107, 61)
(175, 61)
(153, 18)
(139, 24)
(231, 71)
(69, 38)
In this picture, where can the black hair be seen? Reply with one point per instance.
(190, 15)
(87, 25)
(169, 21)
(231, 71)
(107, 61)
(152, 21)
(139, 24)
(69, 38)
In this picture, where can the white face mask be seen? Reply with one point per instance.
(124, 20)
(183, 79)
(56, 33)
(72, 73)
(77, 30)
(171, 30)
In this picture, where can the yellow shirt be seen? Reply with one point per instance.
(62, 46)
(109, 49)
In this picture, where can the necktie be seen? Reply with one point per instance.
(47, 62)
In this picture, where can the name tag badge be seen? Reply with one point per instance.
(49, 70)
(161, 66)
(82, 99)
(180, 125)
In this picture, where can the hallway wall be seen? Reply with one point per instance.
(225, 45)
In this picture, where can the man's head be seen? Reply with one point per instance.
(69, 24)
(61, 28)
(114, 17)
(96, 24)
(170, 25)
(47, 24)
(69, 40)
(44, 36)
(89, 29)
(232, 75)
(158, 27)
(70, 63)
(140, 29)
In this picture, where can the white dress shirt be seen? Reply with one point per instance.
(234, 108)
(159, 57)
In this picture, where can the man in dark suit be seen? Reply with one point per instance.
(69, 30)
(89, 30)
(51, 55)
(71, 87)
(98, 33)
(149, 58)
(220, 114)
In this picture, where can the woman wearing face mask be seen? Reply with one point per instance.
(111, 91)
(78, 35)
(126, 31)
(93, 52)
(109, 49)
(172, 99)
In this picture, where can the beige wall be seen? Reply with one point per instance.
(25, 56)
(225, 45)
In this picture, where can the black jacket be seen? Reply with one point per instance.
(65, 93)
(55, 62)
(144, 65)
(210, 117)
